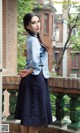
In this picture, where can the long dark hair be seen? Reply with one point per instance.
(26, 20)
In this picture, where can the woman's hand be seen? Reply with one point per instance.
(26, 72)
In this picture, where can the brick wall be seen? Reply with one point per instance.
(9, 37)
(47, 38)
(4, 31)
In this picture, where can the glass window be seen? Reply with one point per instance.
(56, 57)
(75, 32)
(57, 34)
(75, 60)
(46, 23)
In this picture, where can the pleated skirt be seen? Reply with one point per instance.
(33, 102)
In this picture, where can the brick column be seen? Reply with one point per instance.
(10, 37)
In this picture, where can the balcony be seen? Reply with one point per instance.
(59, 87)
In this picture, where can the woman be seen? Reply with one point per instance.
(33, 103)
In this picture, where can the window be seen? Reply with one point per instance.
(75, 60)
(56, 56)
(57, 34)
(75, 32)
(46, 23)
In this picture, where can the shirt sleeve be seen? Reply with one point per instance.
(35, 54)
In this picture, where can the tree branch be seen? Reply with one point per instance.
(77, 46)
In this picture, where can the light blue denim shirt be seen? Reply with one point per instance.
(37, 56)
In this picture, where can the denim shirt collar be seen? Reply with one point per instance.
(35, 35)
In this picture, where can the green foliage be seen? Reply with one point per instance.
(76, 43)
(67, 102)
(52, 100)
(21, 63)
(66, 105)
(23, 7)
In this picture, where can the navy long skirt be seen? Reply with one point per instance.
(33, 103)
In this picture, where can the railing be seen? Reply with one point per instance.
(58, 87)
(71, 87)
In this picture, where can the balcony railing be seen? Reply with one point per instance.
(59, 87)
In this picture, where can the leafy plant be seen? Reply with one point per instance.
(23, 7)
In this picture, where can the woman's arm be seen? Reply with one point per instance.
(34, 53)
(26, 72)
(34, 57)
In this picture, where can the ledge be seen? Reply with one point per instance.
(14, 127)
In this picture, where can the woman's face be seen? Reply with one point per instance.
(34, 24)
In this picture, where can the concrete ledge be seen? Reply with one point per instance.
(14, 127)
